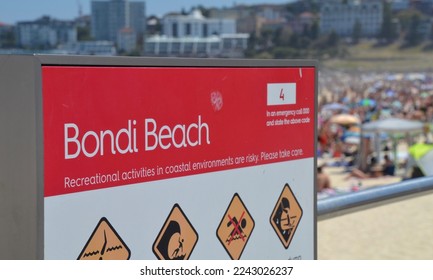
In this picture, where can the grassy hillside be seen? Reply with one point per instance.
(368, 57)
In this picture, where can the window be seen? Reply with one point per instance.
(205, 30)
(201, 48)
(188, 48)
(188, 29)
(175, 48)
(174, 30)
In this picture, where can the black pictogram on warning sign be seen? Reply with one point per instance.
(235, 228)
(105, 244)
(177, 237)
(286, 216)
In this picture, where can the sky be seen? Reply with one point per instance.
(12, 11)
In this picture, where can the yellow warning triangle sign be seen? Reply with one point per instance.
(177, 237)
(105, 244)
(235, 228)
(286, 216)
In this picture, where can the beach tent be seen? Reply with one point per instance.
(423, 155)
(393, 127)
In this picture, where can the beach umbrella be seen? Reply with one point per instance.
(367, 102)
(335, 107)
(345, 119)
(381, 135)
(423, 155)
(393, 125)
(415, 76)
(390, 93)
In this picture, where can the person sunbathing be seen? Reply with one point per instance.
(323, 180)
(375, 170)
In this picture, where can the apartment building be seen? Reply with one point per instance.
(109, 18)
(341, 17)
(6, 35)
(45, 32)
(196, 25)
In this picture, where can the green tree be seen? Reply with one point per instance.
(298, 7)
(431, 35)
(276, 36)
(283, 53)
(405, 18)
(83, 33)
(357, 32)
(314, 6)
(251, 46)
(388, 31)
(265, 39)
(281, 36)
(314, 30)
(294, 41)
(204, 11)
(413, 36)
(333, 39)
(7, 39)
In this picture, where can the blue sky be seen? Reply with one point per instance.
(12, 11)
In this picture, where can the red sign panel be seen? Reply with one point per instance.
(114, 126)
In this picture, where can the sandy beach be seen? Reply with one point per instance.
(398, 231)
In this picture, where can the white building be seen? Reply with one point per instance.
(104, 48)
(45, 33)
(126, 40)
(226, 45)
(187, 46)
(341, 17)
(196, 25)
(196, 36)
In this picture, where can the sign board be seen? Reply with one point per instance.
(175, 159)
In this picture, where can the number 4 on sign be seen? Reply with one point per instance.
(282, 94)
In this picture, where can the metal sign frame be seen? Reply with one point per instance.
(22, 142)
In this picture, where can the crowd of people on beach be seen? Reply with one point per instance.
(360, 98)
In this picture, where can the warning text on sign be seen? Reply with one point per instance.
(288, 117)
(179, 169)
